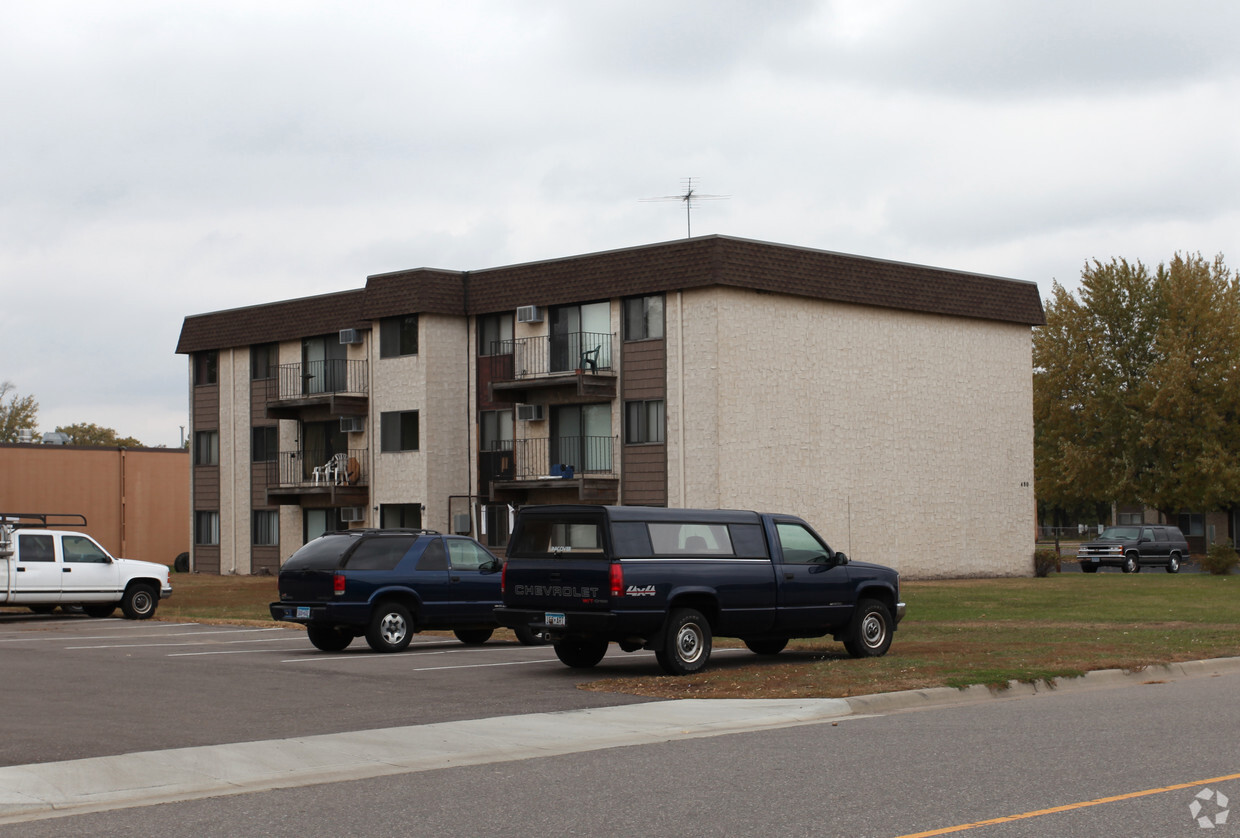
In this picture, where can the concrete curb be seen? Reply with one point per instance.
(73, 787)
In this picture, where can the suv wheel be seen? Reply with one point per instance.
(1173, 564)
(869, 633)
(328, 638)
(391, 627)
(1130, 564)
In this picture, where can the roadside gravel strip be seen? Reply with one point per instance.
(74, 787)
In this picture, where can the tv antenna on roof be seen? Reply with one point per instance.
(689, 196)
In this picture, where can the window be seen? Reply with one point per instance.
(400, 516)
(496, 524)
(207, 448)
(643, 317)
(690, 539)
(398, 336)
(1192, 523)
(800, 546)
(465, 554)
(496, 430)
(1129, 518)
(643, 421)
(266, 528)
(495, 334)
(82, 550)
(36, 548)
(205, 367)
(263, 360)
(206, 528)
(381, 552)
(398, 431)
(264, 444)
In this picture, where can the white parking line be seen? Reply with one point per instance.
(155, 645)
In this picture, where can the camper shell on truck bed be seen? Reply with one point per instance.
(669, 580)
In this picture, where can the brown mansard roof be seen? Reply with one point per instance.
(648, 269)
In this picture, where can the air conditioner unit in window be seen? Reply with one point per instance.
(352, 424)
(529, 314)
(350, 335)
(350, 514)
(530, 412)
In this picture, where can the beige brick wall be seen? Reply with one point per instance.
(904, 438)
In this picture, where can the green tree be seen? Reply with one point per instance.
(1137, 387)
(17, 413)
(90, 434)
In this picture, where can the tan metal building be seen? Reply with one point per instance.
(890, 404)
(136, 500)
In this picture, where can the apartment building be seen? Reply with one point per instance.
(890, 404)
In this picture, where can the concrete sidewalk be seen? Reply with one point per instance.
(55, 789)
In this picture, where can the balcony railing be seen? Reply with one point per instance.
(319, 469)
(300, 381)
(548, 457)
(554, 354)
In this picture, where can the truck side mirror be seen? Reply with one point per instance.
(840, 558)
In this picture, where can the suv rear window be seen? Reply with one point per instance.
(324, 553)
(380, 552)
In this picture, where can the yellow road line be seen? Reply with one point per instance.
(1069, 807)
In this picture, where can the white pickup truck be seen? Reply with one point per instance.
(43, 566)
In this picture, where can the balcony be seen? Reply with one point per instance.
(584, 465)
(341, 386)
(580, 362)
(317, 478)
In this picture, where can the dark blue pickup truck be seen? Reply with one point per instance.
(387, 585)
(669, 580)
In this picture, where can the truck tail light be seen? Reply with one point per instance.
(617, 579)
(338, 584)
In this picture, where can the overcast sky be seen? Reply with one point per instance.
(167, 159)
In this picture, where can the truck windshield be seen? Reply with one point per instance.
(1120, 534)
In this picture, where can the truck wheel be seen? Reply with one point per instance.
(686, 645)
(328, 638)
(139, 602)
(1089, 567)
(1130, 564)
(1173, 564)
(473, 637)
(42, 609)
(766, 645)
(869, 633)
(391, 627)
(99, 610)
(580, 653)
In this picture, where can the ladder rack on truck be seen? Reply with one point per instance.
(41, 520)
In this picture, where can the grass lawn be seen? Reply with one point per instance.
(956, 633)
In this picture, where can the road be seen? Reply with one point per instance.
(1148, 746)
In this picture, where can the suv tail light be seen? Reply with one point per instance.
(338, 584)
(617, 580)
(503, 578)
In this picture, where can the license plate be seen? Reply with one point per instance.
(555, 619)
(303, 612)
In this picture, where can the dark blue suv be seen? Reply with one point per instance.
(387, 585)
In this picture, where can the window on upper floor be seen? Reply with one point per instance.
(265, 524)
(643, 421)
(206, 367)
(206, 448)
(643, 317)
(263, 360)
(400, 516)
(398, 336)
(206, 527)
(398, 430)
(495, 430)
(264, 444)
(495, 334)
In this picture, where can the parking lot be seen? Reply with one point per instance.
(79, 687)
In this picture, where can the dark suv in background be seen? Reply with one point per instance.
(1132, 547)
(387, 585)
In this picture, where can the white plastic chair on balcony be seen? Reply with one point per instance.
(334, 471)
